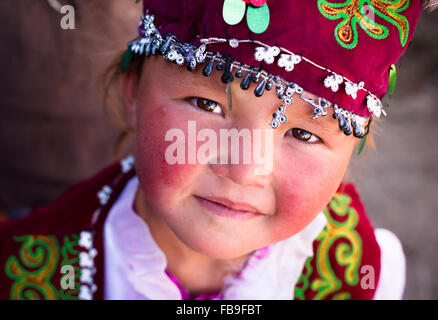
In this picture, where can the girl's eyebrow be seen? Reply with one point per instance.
(331, 130)
(196, 80)
(325, 124)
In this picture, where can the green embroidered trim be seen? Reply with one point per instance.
(352, 12)
(342, 296)
(346, 254)
(32, 272)
(389, 10)
(71, 257)
(304, 280)
(38, 261)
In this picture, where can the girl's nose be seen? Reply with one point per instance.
(242, 174)
(245, 156)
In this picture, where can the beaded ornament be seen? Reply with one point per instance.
(151, 42)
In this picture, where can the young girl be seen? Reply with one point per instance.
(201, 213)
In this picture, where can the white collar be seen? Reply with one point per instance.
(135, 265)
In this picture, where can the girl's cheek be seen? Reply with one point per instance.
(304, 189)
(160, 180)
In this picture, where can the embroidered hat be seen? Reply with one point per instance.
(343, 52)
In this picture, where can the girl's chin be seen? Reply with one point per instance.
(224, 253)
(216, 246)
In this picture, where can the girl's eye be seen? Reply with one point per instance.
(303, 135)
(207, 105)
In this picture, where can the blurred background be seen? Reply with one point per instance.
(398, 181)
(53, 128)
(54, 131)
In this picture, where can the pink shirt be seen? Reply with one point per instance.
(186, 296)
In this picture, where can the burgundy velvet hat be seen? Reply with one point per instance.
(342, 52)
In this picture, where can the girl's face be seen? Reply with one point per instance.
(226, 210)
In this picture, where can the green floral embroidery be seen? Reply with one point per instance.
(342, 296)
(353, 12)
(348, 254)
(37, 262)
(32, 273)
(304, 280)
(71, 257)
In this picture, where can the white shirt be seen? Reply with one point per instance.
(135, 265)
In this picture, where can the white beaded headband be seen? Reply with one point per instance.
(150, 42)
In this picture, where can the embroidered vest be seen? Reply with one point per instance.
(57, 251)
(346, 255)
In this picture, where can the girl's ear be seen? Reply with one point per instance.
(130, 87)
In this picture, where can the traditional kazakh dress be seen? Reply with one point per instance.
(91, 244)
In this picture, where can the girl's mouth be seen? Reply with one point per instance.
(226, 208)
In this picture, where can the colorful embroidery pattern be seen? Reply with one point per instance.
(353, 12)
(347, 253)
(304, 281)
(32, 272)
(38, 261)
(70, 257)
